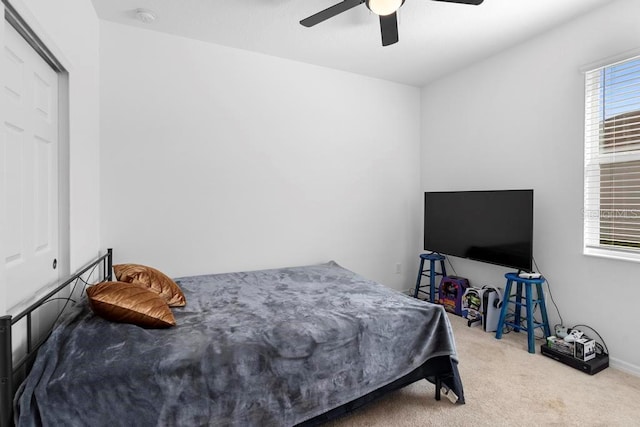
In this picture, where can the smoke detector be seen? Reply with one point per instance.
(145, 16)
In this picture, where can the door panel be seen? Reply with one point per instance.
(13, 193)
(30, 163)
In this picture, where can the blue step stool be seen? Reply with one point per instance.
(529, 304)
(431, 273)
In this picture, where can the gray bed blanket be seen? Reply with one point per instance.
(262, 348)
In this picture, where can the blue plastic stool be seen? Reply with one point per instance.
(529, 304)
(431, 273)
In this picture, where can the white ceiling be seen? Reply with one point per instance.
(435, 37)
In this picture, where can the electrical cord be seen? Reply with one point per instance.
(603, 348)
(451, 265)
(550, 293)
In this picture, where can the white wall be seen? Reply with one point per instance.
(516, 121)
(70, 30)
(216, 159)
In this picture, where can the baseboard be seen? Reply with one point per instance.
(624, 366)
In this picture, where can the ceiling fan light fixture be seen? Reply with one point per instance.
(384, 7)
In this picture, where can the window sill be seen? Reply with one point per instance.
(612, 254)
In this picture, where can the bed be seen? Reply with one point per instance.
(281, 347)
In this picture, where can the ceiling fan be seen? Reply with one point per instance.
(386, 9)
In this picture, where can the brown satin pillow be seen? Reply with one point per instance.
(130, 303)
(153, 279)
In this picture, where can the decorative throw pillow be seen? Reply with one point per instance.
(153, 279)
(130, 303)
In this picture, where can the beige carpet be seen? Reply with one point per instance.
(505, 385)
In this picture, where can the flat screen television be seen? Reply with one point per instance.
(489, 226)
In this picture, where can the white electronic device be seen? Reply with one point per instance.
(530, 275)
(481, 306)
(492, 302)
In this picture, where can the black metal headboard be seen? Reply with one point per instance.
(11, 374)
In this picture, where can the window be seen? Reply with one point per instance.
(612, 161)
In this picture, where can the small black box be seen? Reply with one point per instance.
(593, 366)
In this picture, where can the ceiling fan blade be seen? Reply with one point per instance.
(389, 29)
(330, 12)
(474, 2)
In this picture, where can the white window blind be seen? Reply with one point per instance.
(612, 160)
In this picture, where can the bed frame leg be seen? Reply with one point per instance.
(438, 387)
(6, 372)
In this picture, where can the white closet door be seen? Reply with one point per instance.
(30, 166)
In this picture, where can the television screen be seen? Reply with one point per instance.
(489, 226)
